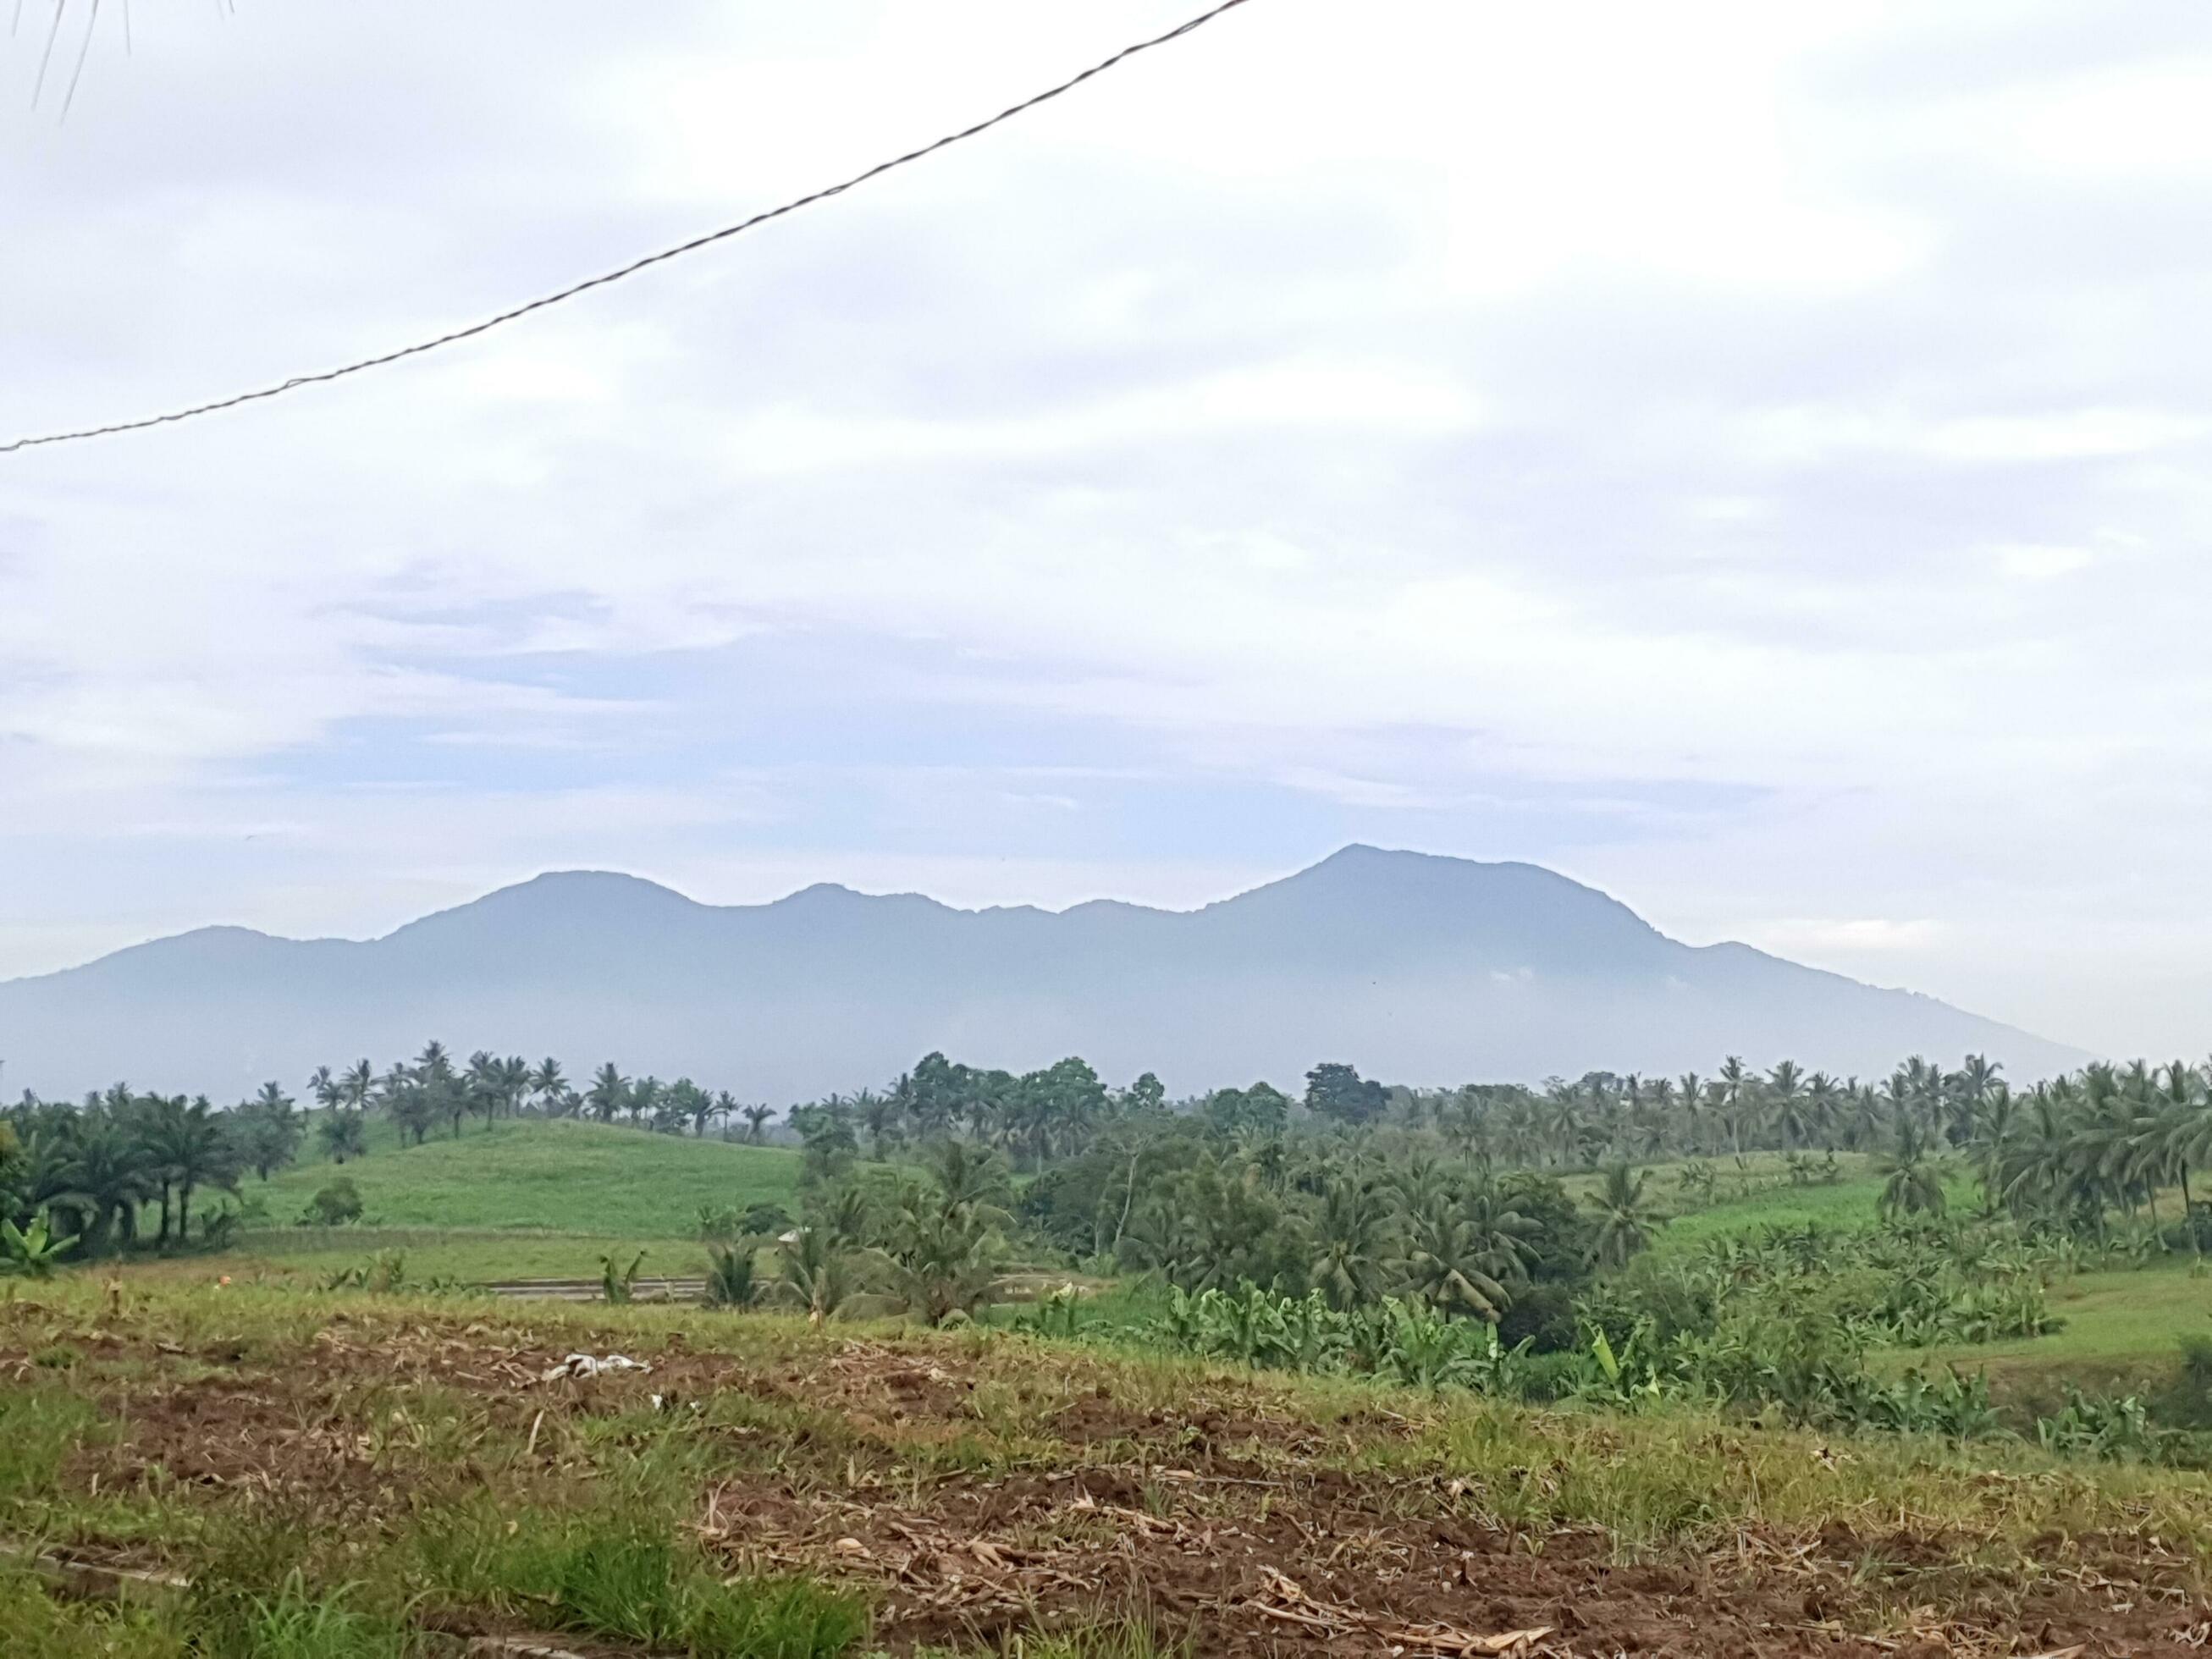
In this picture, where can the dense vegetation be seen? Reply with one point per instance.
(1349, 1227)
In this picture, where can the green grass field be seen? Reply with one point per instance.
(472, 1255)
(525, 1199)
(2120, 1334)
(563, 1175)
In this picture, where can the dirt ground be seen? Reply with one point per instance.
(1230, 1521)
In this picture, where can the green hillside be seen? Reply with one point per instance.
(560, 1175)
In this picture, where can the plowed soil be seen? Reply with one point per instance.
(1230, 1521)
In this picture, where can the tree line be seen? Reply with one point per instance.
(123, 1167)
(432, 1091)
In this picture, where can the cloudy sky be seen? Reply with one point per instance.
(1755, 458)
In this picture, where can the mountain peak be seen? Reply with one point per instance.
(822, 892)
(574, 881)
(1416, 967)
(556, 904)
(1359, 862)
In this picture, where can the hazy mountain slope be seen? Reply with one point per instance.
(1414, 968)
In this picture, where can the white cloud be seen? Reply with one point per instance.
(1342, 398)
(2029, 561)
(1423, 423)
(1813, 937)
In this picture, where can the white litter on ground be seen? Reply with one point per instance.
(584, 1364)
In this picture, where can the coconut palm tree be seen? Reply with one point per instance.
(1519, 1127)
(1625, 1225)
(944, 1258)
(1419, 1181)
(482, 1086)
(1350, 1242)
(1864, 1119)
(813, 1273)
(2106, 1127)
(1559, 1121)
(1972, 1087)
(514, 1075)
(756, 1118)
(609, 1093)
(1446, 1263)
(2034, 1164)
(847, 1219)
(1914, 1185)
(434, 1066)
(1994, 1122)
(1503, 1240)
(409, 1103)
(1690, 1093)
(1736, 1089)
(879, 1116)
(968, 1175)
(547, 1083)
(1824, 1101)
(266, 1130)
(1786, 1102)
(343, 1136)
(356, 1085)
(2186, 1128)
(1460, 1119)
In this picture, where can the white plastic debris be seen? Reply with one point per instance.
(586, 1365)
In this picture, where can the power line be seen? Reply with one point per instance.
(635, 266)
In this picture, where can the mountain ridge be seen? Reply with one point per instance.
(1416, 967)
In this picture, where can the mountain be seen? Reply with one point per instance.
(1414, 968)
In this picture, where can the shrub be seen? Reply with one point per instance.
(1542, 1315)
(765, 1220)
(333, 1206)
(2186, 1402)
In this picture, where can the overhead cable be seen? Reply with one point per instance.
(454, 336)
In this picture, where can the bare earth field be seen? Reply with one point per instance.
(986, 1492)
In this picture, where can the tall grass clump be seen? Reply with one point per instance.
(39, 1426)
(623, 1575)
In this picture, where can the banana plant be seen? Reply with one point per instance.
(34, 1250)
(617, 1283)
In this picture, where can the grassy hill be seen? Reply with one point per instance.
(560, 1176)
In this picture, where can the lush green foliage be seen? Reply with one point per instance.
(1916, 1287)
(1430, 1236)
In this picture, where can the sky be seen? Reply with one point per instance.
(1755, 460)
